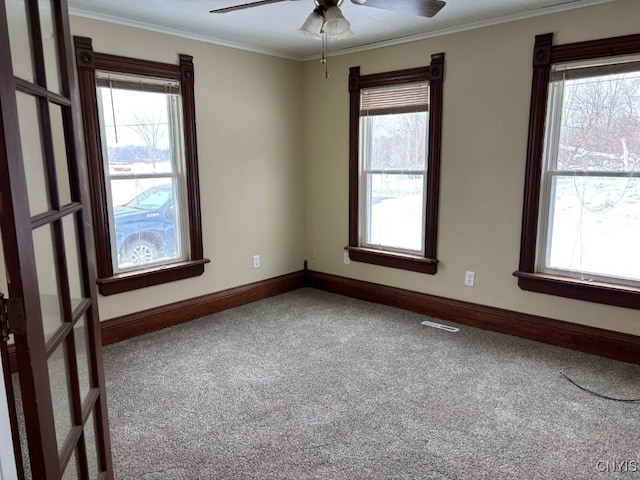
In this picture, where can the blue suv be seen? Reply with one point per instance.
(145, 227)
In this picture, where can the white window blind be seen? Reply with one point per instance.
(132, 82)
(590, 68)
(413, 97)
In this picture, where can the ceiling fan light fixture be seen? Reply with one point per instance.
(337, 32)
(312, 26)
(333, 13)
(335, 25)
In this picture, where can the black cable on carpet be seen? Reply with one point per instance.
(630, 400)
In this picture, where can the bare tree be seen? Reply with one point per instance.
(601, 124)
(400, 141)
(601, 132)
(152, 129)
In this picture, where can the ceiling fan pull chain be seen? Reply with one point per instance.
(323, 60)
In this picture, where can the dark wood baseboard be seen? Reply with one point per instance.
(597, 341)
(147, 321)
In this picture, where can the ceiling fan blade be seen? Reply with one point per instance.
(245, 5)
(422, 8)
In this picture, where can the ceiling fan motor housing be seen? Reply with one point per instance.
(325, 4)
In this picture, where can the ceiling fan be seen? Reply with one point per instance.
(327, 21)
(422, 8)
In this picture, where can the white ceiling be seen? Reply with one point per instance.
(271, 29)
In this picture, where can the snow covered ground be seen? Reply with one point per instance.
(600, 235)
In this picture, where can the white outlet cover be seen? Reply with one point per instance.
(470, 278)
(347, 260)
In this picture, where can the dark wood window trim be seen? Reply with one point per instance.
(88, 62)
(544, 56)
(434, 74)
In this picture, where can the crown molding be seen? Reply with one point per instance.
(179, 33)
(570, 5)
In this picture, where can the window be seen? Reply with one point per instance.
(143, 161)
(582, 196)
(139, 119)
(394, 158)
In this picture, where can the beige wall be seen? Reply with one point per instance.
(248, 116)
(486, 108)
(273, 137)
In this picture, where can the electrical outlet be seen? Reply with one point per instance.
(347, 260)
(256, 261)
(470, 278)
(312, 252)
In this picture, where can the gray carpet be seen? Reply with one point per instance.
(311, 385)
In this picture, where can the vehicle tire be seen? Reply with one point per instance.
(140, 251)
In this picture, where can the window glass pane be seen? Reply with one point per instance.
(143, 150)
(593, 120)
(395, 206)
(393, 153)
(141, 131)
(147, 222)
(395, 141)
(594, 226)
(600, 123)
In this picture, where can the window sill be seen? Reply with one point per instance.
(590, 291)
(403, 261)
(125, 282)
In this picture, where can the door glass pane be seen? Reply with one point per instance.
(71, 472)
(32, 153)
(83, 359)
(19, 39)
(72, 251)
(92, 450)
(60, 394)
(60, 154)
(47, 280)
(147, 226)
(47, 21)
